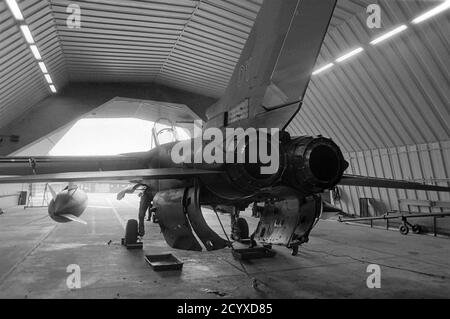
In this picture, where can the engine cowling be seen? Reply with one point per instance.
(68, 205)
(249, 176)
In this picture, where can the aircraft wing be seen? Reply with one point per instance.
(364, 181)
(276, 63)
(135, 175)
(57, 164)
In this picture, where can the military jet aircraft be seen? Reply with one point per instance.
(265, 92)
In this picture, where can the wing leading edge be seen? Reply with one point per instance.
(365, 181)
(128, 175)
(60, 164)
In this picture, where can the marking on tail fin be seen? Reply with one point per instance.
(239, 112)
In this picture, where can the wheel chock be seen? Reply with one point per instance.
(137, 245)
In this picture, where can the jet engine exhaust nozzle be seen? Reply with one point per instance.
(314, 164)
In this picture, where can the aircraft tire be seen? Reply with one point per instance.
(131, 232)
(242, 227)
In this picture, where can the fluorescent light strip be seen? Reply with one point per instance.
(35, 51)
(350, 54)
(43, 67)
(27, 34)
(12, 4)
(436, 10)
(14, 7)
(48, 78)
(389, 34)
(327, 66)
(442, 7)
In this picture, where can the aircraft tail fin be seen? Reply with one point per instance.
(276, 63)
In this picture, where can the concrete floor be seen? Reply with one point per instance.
(35, 252)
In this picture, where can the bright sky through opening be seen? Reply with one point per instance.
(110, 136)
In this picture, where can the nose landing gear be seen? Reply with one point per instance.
(131, 239)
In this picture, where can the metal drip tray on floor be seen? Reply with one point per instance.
(164, 262)
(253, 253)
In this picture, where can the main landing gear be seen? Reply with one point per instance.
(240, 229)
(294, 250)
(131, 239)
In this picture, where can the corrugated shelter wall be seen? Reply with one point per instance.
(21, 82)
(429, 163)
(41, 20)
(389, 107)
(396, 93)
(19, 73)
